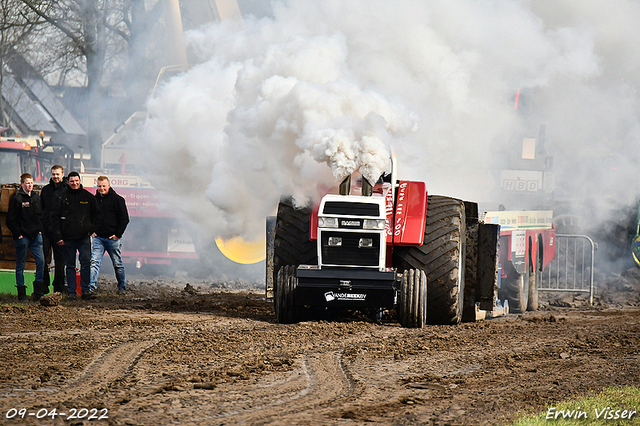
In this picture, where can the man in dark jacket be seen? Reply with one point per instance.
(49, 193)
(113, 222)
(75, 217)
(24, 220)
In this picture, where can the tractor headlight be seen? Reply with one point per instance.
(334, 242)
(328, 222)
(365, 243)
(373, 224)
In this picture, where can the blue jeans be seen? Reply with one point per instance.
(35, 245)
(83, 247)
(114, 247)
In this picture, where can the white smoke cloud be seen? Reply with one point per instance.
(283, 104)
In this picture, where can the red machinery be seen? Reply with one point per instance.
(527, 246)
(392, 246)
(155, 234)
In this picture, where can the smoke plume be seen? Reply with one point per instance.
(319, 89)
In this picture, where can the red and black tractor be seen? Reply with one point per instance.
(391, 247)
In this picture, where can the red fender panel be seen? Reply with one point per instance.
(409, 214)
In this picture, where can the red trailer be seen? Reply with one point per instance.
(156, 235)
(527, 246)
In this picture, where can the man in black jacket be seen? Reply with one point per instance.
(49, 193)
(75, 217)
(24, 220)
(113, 222)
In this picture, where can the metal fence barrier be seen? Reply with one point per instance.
(572, 267)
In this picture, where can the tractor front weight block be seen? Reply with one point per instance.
(347, 289)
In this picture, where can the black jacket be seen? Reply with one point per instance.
(113, 213)
(48, 195)
(75, 215)
(25, 215)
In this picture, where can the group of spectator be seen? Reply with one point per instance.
(66, 220)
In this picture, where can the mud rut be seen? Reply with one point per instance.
(220, 358)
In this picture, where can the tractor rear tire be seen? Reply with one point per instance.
(517, 292)
(291, 240)
(412, 309)
(441, 257)
(285, 296)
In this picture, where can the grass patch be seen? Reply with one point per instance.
(596, 410)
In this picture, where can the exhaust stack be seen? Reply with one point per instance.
(345, 186)
(367, 188)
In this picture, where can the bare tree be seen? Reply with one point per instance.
(142, 24)
(82, 23)
(16, 26)
(85, 38)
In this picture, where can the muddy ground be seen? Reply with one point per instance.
(212, 353)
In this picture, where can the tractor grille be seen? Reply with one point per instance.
(351, 209)
(349, 254)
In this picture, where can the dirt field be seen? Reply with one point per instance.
(212, 353)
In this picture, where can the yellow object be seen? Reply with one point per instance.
(635, 252)
(241, 251)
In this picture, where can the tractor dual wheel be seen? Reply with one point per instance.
(442, 258)
(285, 296)
(291, 244)
(516, 291)
(412, 308)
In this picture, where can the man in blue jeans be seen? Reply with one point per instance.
(24, 220)
(75, 217)
(113, 222)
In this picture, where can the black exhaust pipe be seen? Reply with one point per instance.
(345, 186)
(367, 188)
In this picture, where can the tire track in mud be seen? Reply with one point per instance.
(108, 366)
(116, 363)
(108, 371)
(326, 380)
(321, 380)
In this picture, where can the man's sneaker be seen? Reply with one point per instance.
(122, 291)
(72, 297)
(88, 296)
